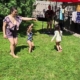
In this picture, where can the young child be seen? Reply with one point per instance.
(30, 38)
(58, 36)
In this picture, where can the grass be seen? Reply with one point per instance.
(44, 63)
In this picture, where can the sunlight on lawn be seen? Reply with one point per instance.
(44, 63)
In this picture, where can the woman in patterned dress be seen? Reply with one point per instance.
(10, 26)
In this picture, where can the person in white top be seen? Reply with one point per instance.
(58, 36)
(73, 22)
(74, 15)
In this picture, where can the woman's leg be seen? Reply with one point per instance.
(12, 47)
(60, 48)
(30, 46)
(15, 41)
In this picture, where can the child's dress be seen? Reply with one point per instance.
(57, 35)
(30, 36)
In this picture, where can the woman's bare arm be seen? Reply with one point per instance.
(4, 29)
(28, 19)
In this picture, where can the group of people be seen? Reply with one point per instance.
(11, 25)
(50, 15)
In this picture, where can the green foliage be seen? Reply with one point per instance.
(25, 7)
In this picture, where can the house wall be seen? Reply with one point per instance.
(42, 6)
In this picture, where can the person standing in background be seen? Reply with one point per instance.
(61, 17)
(73, 21)
(49, 14)
(78, 18)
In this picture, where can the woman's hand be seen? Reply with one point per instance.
(28, 19)
(34, 19)
(5, 36)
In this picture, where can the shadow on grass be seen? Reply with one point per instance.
(65, 33)
(19, 48)
(44, 31)
(54, 48)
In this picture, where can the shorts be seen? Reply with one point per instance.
(11, 33)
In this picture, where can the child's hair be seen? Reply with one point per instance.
(29, 28)
(57, 27)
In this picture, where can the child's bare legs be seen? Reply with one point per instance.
(30, 45)
(59, 48)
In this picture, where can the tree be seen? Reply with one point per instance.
(25, 7)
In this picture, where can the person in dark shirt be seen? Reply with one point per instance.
(49, 14)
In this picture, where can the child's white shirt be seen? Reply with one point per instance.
(57, 35)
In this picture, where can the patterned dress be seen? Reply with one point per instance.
(11, 29)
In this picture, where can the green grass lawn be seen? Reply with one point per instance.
(44, 63)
